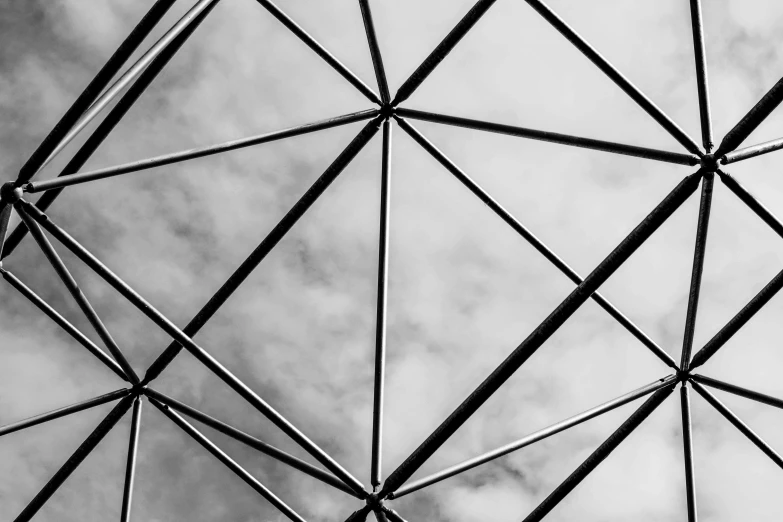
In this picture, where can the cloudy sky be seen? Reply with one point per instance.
(464, 288)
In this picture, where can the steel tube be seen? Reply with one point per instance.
(251, 441)
(755, 205)
(687, 443)
(738, 321)
(599, 455)
(380, 309)
(752, 119)
(701, 75)
(63, 323)
(360, 515)
(5, 217)
(115, 115)
(58, 137)
(392, 515)
(552, 137)
(375, 51)
(738, 423)
(545, 330)
(616, 76)
(78, 295)
(535, 241)
(752, 151)
(210, 362)
(737, 390)
(200, 152)
(219, 454)
(130, 467)
(320, 50)
(266, 246)
(533, 437)
(75, 459)
(442, 50)
(63, 412)
(698, 268)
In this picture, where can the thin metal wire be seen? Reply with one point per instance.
(130, 467)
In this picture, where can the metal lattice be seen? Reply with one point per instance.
(132, 83)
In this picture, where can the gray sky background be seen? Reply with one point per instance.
(464, 288)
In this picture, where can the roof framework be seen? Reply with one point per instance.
(386, 109)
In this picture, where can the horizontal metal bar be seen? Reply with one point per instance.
(210, 362)
(336, 64)
(617, 77)
(533, 437)
(442, 50)
(752, 119)
(738, 423)
(251, 441)
(544, 331)
(553, 137)
(375, 51)
(752, 151)
(738, 321)
(63, 323)
(219, 454)
(63, 412)
(200, 152)
(130, 466)
(736, 390)
(534, 241)
(599, 454)
(75, 460)
(78, 296)
(56, 139)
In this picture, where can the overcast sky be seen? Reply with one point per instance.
(464, 288)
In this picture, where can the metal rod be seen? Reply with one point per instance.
(5, 217)
(200, 152)
(687, 443)
(63, 412)
(701, 77)
(698, 268)
(210, 446)
(738, 321)
(251, 441)
(113, 118)
(130, 468)
(375, 51)
(533, 437)
(755, 205)
(752, 151)
(63, 323)
(738, 423)
(545, 330)
(599, 454)
(320, 50)
(380, 309)
(752, 119)
(210, 362)
(392, 515)
(534, 241)
(78, 295)
(380, 516)
(442, 50)
(57, 138)
(75, 459)
(553, 137)
(617, 77)
(360, 515)
(266, 246)
(737, 390)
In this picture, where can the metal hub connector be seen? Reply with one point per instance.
(710, 162)
(10, 192)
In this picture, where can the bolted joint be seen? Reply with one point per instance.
(710, 162)
(138, 389)
(683, 376)
(387, 111)
(10, 192)
(374, 502)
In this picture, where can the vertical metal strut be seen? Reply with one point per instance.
(130, 467)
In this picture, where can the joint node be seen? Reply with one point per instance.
(10, 192)
(387, 111)
(709, 162)
(682, 375)
(374, 501)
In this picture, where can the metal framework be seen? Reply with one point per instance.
(100, 94)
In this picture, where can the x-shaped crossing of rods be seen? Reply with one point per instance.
(98, 95)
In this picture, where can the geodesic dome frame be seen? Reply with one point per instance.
(100, 93)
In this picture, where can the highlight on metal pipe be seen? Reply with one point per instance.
(702, 83)
(738, 423)
(130, 466)
(545, 330)
(599, 454)
(210, 362)
(687, 443)
(737, 390)
(230, 463)
(752, 151)
(534, 241)
(533, 437)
